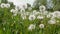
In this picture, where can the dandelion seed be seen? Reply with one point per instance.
(3, 5)
(41, 25)
(7, 5)
(40, 17)
(52, 21)
(32, 17)
(49, 15)
(42, 8)
(56, 14)
(31, 27)
(23, 17)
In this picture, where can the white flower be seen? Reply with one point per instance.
(57, 14)
(45, 12)
(23, 16)
(2, 5)
(41, 25)
(32, 17)
(49, 15)
(22, 11)
(42, 8)
(14, 11)
(35, 12)
(7, 5)
(31, 27)
(40, 17)
(24, 6)
(52, 21)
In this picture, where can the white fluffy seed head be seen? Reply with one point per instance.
(32, 17)
(40, 17)
(23, 16)
(2, 5)
(31, 27)
(42, 8)
(7, 5)
(41, 26)
(14, 10)
(52, 21)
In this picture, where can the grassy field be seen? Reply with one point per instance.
(10, 24)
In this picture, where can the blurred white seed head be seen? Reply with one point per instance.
(31, 27)
(14, 11)
(52, 21)
(3, 5)
(42, 8)
(40, 17)
(49, 15)
(41, 26)
(57, 14)
(7, 5)
(45, 12)
(23, 16)
(32, 17)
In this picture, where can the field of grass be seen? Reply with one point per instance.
(10, 24)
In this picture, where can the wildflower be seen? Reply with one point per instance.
(3, 5)
(7, 5)
(32, 17)
(45, 12)
(35, 12)
(40, 17)
(57, 14)
(49, 15)
(31, 27)
(23, 16)
(22, 11)
(42, 8)
(52, 21)
(41, 25)
(14, 11)
(24, 6)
